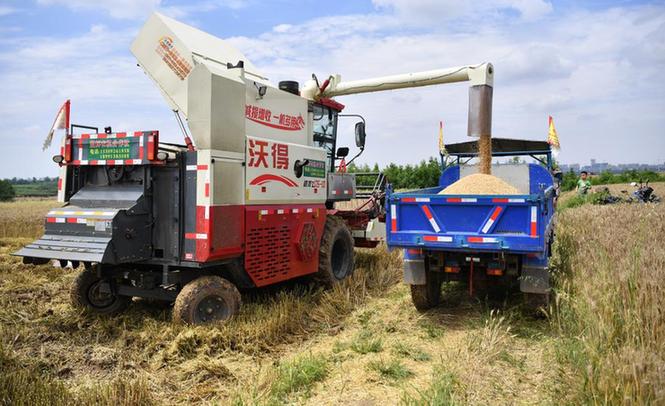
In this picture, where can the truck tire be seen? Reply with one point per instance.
(335, 253)
(206, 299)
(425, 297)
(85, 293)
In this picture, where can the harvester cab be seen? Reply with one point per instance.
(250, 199)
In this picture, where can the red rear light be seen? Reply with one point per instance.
(494, 271)
(451, 269)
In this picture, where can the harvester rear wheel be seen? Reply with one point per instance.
(86, 293)
(425, 297)
(206, 299)
(335, 253)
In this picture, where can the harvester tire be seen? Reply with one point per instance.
(425, 297)
(335, 253)
(85, 293)
(206, 299)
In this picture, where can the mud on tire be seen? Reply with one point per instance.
(85, 293)
(335, 253)
(206, 299)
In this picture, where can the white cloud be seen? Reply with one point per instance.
(6, 10)
(129, 9)
(139, 9)
(440, 11)
(580, 64)
(598, 73)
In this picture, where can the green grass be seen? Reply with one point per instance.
(441, 391)
(393, 370)
(414, 353)
(430, 329)
(299, 375)
(39, 189)
(367, 342)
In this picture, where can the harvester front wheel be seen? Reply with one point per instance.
(87, 292)
(425, 297)
(336, 252)
(206, 299)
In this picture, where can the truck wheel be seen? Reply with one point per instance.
(206, 299)
(335, 253)
(425, 297)
(86, 293)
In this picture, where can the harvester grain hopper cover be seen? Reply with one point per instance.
(169, 50)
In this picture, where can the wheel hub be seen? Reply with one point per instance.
(212, 308)
(98, 298)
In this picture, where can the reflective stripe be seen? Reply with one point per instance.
(482, 239)
(461, 200)
(430, 218)
(492, 219)
(438, 238)
(393, 218)
(81, 213)
(415, 200)
(534, 221)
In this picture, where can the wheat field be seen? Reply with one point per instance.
(359, 343)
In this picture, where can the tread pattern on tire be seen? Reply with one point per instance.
(190, 296)
(334, 227)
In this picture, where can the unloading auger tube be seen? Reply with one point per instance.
(481, 78)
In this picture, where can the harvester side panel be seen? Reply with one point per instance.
(214, 210)
(272, 177)
(282, 241)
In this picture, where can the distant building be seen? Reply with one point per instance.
(598, 167)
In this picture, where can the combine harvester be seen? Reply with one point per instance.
(248, 203)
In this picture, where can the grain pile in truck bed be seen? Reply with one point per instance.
(480, 184)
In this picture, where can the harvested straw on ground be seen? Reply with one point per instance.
(480, 184)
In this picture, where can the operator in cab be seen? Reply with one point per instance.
(583, 184)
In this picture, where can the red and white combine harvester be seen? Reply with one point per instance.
(249, 203)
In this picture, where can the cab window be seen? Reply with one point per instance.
(324, 123)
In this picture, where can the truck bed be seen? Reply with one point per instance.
(507, 223)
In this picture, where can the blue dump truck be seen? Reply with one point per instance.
(488, 242)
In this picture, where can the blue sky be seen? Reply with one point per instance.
(595, 66)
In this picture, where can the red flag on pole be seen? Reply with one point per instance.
(61, 122)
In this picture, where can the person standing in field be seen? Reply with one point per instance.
(583, 184)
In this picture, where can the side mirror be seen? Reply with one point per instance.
(360, 134)
(342, 152)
